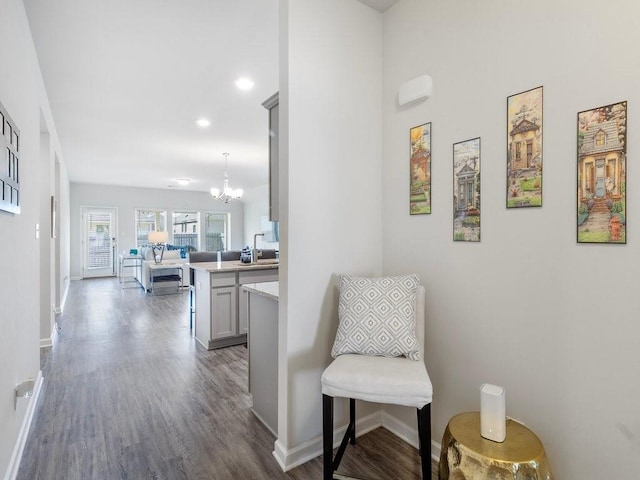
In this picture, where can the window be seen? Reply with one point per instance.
(216, 231)
(600, 138)
(148, 221)
(186, 229)
(518, 150)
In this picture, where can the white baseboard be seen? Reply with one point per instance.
(288, 459)
(263, 421)
(408, 433)
(51, 341)
(18, 449)
(64, 297)
(74, 278)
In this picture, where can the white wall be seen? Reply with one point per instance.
(128, 199)
(23, 95)
(330, 91)
(63, 241)
(556, 323)
(256, 207)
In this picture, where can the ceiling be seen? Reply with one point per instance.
(127, 81)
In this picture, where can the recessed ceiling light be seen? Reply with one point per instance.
(203, 122)
(244, 83)
(183, 181)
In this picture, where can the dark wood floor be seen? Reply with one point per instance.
(128, 394)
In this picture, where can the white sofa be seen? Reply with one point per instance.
(169, 257)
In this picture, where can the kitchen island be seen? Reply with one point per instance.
(263, 351)
(221, 305)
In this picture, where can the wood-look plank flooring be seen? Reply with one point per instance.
(128, 394)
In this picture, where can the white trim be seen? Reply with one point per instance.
(51, 341)
(63, 302)
(288, 459)
(18, 449)
(76, 277)
(408, 433)
(275, 434)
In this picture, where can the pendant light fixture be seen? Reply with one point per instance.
(227, 194)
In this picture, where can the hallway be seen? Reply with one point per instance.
(127, 394)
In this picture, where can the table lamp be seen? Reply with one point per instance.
(157, 240)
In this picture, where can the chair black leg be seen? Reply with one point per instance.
(352, 420)
(330, 463)
(424, 435)
(327, 437)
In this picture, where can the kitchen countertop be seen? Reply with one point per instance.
(234, 266)
(266, 289)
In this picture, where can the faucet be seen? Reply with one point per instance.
(255, 252)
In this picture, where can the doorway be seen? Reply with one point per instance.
(99, 242)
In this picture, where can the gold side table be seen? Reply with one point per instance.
(467, 455)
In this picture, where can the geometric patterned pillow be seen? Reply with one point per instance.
(377, 316)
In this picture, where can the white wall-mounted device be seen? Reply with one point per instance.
(417, 89)
(493, 420)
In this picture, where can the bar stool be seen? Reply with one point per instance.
(380, 379)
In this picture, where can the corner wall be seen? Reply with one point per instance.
(23, 95)
(330, 118)
(554, 322)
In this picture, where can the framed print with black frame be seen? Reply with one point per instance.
(420, 170)
(466, 191)
(602, 174)
(524, 149)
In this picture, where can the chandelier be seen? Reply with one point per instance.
(227, 194)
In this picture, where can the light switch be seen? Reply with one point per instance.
(37, 231)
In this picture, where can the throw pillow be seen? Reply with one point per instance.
(377, 316)
(147, 253)
(171, 255)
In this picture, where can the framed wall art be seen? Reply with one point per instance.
(602, 174)
(524, 149)
(10, 163)
(466, 191)
(420, 170)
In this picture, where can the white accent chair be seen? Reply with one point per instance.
(389, 380)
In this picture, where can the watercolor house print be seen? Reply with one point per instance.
(466, 191)
(601, 176)
(524, 149)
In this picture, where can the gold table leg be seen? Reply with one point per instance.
(466, 455)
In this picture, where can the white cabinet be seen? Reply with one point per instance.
(221, 306)
(253, 276)
(272, 104)
(243, 313)
(263, 355)
(202, 324)
(223, 310)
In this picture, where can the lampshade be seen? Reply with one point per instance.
(158, 237)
